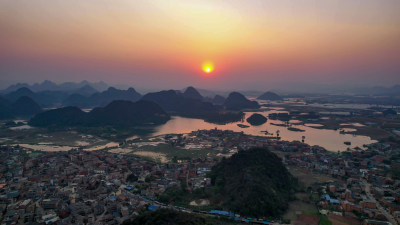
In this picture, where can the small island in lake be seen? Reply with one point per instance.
(242, 125)
(256, 119)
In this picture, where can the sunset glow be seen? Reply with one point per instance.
(266, 42)
(208, 67)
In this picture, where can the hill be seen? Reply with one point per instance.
(256, 119)
(117, 114)
(253, 183)
(6, 111)
(237, 101)
(77, 100)
(86, 90)
(218, 99)
(51, 86)
(25, 106)
(126, 113)
(192, 93)
(270, 96)
(104, 98)
(112, 94)
(24, 91)
(173, 102)
(62, 117)
(43, 98)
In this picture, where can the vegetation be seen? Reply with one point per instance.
(116, 114)
(23, 106)
(237, 101)
(192, 93)
(253, 183)
(256, 119)
(171, 101)
(270, 96)
(223, 117)
(171, 217)
(102, 98)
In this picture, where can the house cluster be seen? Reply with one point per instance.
(368, 181)
(86, 187)
(100, 187)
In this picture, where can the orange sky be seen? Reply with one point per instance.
(164, 43)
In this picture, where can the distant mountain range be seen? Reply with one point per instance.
(189, 103)
(102, 98)
(84, 97)
(51, 86)
(118, 113)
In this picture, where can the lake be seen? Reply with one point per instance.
(330, 139)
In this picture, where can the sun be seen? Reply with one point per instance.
(208, 67)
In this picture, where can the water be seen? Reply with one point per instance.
(330, 139)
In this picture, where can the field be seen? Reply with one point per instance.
(171, 151)
(297, 207)
(308, 178)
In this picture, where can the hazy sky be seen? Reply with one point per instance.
(162, 44)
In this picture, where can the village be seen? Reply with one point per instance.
(106, 187)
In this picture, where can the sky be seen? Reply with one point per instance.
(252, 44)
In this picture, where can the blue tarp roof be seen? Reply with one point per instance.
(334, 201)
(152, 207)
(219, 212)
(327, 197)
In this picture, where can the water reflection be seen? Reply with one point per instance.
(330, 139)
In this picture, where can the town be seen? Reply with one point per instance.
(104, 187)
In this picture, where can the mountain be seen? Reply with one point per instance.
(6, 111)
(112, 94)
(51, 86)
(117, 114)
(26, 106)
(253, 183)
(86, 90)
(77, 100)
(15, 87)
(270, 96)
(43, 98)
(126, 113)
(62, 117)
(173, 102)
(237, 101)
(218, 99)
(256, 119)
(45, 86)
(24, 91)
(100, 98)
(192, 93)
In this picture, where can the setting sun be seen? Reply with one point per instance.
(208, 67)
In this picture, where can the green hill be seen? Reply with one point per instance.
(253, 183)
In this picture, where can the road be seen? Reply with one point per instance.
(378, 205)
